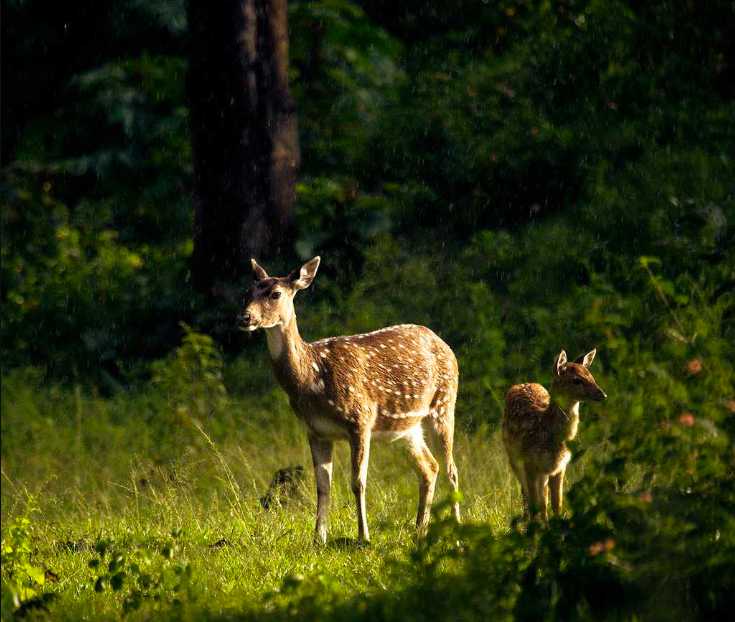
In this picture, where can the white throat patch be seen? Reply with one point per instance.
(274, 335)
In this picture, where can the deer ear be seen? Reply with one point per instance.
(259, 273)
(302, 278)
(587, 359)
(560, 362)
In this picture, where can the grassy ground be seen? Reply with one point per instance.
(92, 480)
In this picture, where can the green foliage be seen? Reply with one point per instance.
(129, 128)
(73, 290)
(23, 580)
(337, 219)
(191, 379)
(95, 224)
(344, 73)
(143, 580)
(575, 90)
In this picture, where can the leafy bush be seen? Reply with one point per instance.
(73, 294)
(95, 225)
(144, 580)
(192, 382)
(23, 580)
(344, 73)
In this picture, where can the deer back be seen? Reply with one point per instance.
(530, 421)
(389, 377)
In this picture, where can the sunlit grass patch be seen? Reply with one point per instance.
(208, 493)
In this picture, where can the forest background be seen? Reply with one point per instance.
(520, 176)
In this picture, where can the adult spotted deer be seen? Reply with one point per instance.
(381, 385)
(537, 424)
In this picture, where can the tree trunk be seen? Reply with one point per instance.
(244, 136)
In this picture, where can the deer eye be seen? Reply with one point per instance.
(577, 381)
(275, 295)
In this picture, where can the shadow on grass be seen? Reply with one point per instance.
(347, 544)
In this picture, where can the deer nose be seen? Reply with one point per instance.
(245, 317)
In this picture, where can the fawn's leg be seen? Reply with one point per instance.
(321, 456)
(360, 446)
(533, 492)
(526, 499)
(556, 485)
(544, 496)
(521, 475)
(537, 493)
(427, 469)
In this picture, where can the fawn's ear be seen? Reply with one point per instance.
(302, 278)
(560, 362)
(259, 273)
(587, 359)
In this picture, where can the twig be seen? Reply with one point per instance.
(665, 300)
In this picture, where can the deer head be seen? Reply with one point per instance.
(269, 301)
(573, 380)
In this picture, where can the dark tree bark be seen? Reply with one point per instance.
(244, 136)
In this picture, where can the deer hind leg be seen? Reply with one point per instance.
(533, 501)
(443, 421)
(360, 446)
(428, 469)
(521, 475)
(321, 455)
(556, 486)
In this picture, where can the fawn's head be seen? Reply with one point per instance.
(573, 380)
(269, 301)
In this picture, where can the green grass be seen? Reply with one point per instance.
(87, 475)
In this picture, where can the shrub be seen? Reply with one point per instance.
(23, 580)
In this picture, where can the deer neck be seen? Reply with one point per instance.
(291, 356)
(569, 411)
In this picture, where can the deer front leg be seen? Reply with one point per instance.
(556, 486)
(360, 446)
(321, 455)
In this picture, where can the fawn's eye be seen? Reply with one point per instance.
(275, 295)
(577, 381)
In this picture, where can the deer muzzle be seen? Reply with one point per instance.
(247, 321)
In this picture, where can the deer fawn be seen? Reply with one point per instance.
(378, 385)
(537, 424)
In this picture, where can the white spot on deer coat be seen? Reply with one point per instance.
(404, 415)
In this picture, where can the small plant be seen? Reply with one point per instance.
(141, 577)
(192, 377)
(22, 579)
(191, 381)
